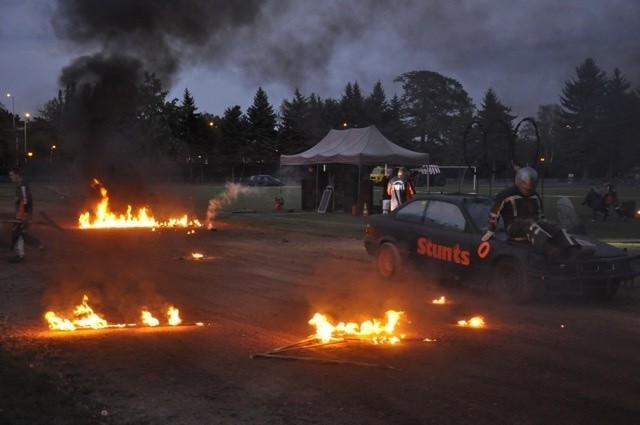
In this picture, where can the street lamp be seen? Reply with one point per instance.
(26, 120)
(13, 110)
(51, 156)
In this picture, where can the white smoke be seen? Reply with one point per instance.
(230, 194)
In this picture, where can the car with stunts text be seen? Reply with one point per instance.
(440, 236)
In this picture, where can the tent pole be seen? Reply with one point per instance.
(316, 194)
(359, 173)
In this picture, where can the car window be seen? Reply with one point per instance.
(446, 214)
(479, 210)
(412, 212)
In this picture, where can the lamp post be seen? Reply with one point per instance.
(15, 134)
(51, 155)
(26, 120)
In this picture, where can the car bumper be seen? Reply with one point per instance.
(577, 275)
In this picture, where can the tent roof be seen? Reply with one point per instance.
(360, 146)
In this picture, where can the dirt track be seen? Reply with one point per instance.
(566, 361)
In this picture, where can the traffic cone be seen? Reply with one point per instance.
(365, 212)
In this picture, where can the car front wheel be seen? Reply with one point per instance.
(389, 261)
(510, 282)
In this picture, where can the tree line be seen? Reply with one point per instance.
(591, 132)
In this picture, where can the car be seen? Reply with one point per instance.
(264, 180)
(377, 175)
(439, 235)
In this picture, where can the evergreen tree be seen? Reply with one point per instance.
(621, 126)
(293, 133)
(582, 102)
(497, 122)
(352, 107)
(262, 130)
(234, 136)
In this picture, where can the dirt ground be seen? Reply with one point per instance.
(557, 361)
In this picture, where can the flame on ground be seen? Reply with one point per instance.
(441, 300)
(85, 318)
(474, 322)
(103, 217)
(374, 330)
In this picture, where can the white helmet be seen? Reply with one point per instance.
(526, 180)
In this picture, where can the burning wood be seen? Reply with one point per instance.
(103, 217)
(474, 322)
(85, 318)
(374, 330)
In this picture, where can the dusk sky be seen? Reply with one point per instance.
(524, 50)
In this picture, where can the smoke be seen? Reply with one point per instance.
(230, 194)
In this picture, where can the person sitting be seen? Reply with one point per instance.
(521, 209)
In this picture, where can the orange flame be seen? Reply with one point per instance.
(103, 217)
(474, 322)
(86, 318)
(374, 330)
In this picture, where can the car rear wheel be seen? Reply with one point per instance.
(510, 282)
(389, 261)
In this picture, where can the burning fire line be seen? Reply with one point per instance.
(326, 333)
(103, 217)
(85, 318)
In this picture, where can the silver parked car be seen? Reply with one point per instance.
(264, 180)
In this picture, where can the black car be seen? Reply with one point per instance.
(265, 180)
(440, 234)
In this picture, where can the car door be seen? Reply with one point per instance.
(445, 239)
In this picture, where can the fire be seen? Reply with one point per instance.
(148, 319)
(474, 322)
(440, 300)
(375, 330)
(103, 217)
(197, 256)
(85, 318)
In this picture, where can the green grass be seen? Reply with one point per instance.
(254, 206)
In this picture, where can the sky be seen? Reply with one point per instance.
(223, 51)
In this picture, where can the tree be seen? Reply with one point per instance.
(497, 122)
(293, 135)
(582, 102)
(621, 117)
(352, 107)
(436, 109)
(234, 135)
(262, 130)
(548, 119)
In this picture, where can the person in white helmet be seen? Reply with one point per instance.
(521, 209)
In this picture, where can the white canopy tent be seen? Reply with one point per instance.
(357, 146)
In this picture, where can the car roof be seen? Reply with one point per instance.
(453, 197)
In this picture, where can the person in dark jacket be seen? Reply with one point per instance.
(611, 200)
(22, 216)
(400, 189)
(595, 201)
(521, 209)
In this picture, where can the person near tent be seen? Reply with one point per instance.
(386, 197)
(400, 189)
(521, 209)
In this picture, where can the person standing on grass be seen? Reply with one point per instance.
(22, 215)
(400, 189)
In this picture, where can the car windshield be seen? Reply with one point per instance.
(478, 209)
